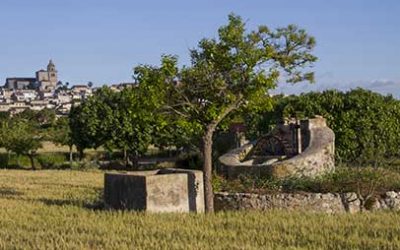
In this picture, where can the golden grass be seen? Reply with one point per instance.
(54, 210)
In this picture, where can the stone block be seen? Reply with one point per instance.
(166, 190)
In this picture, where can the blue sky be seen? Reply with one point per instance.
(102, 40)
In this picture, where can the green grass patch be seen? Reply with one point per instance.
(344, 179)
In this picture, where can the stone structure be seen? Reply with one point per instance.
(294, 148)
(164, 190)
(19, 82)
(44, 80)
(47, 80)
(311, 202)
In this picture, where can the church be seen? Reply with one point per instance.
(45, 80)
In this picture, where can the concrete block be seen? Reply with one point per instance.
(166, 190)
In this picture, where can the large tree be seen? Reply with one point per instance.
(126, 120)
(91, 121)
(235, 70)
(133, 121)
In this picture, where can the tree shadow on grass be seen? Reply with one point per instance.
(93, 205)
(9, 192)
(16, 167)
(96, 204)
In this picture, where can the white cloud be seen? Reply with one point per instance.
(382, 86)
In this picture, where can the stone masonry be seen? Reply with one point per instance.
(312, 202)
(293, 149)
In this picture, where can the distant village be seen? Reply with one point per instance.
(45, 91)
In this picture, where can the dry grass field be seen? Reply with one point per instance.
(60, 210)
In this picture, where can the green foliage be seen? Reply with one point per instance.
(51, 160)
(366, 181)
(60, 132)
(239, 68)
(126, 120)
(22, 137)
(236, 70)
(366, 124)
(44, 118)
(42, 161)
(133, 120)
(88, 121)
(192, 160)
(13, 161)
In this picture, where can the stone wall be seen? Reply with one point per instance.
(312, 202)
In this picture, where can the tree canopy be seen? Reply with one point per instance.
(366, 124)
(235, 70)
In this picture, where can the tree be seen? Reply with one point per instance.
(89, 122)
(46, 117)
(21, 137)
(136, 117)
(133, 124)
(61, 134)
(126, 120)
(234, 71)
(90, 84)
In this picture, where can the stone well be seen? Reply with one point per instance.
(292, 149)
(163, 190)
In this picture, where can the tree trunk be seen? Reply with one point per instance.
(126, 159)
(32, 161)
(207, 169)
(362, 205)
(80, 154)
(133, 158)
(18, 163)
(8, 158)
(70, 155)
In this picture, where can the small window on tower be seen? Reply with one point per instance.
(52, 74)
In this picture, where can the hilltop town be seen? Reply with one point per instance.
(45, 91)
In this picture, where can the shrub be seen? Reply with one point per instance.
(192, 160)
(85, 165)
(14, 161)
(3, 160)
(51, 160)
(367, 182)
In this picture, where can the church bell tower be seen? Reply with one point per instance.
(51, 69)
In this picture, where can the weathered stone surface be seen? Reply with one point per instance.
(166, 190)
(316, 158)
(312, 202)
(195, 187)
(391, 201)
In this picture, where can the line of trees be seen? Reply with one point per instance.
(366, 124)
